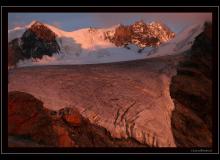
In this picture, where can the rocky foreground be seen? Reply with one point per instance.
(32, 125)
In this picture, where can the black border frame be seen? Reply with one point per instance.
(215, 12)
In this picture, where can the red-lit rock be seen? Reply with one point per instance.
(63, 138)
(27, 117)
(73, 119)
(71, 116)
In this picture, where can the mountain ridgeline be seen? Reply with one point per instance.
(38, 39)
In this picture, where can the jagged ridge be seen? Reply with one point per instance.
(142, 34)
(40, 40)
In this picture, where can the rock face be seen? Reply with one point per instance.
(191, 90)
(73, 118)
(32, 125)
(14, 53)
(27, 118)
(38, 40)
(129, 99)
(142, 34)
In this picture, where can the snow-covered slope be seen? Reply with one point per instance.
(89, 45)
(84, 46)
(16, 33)
(182, 42)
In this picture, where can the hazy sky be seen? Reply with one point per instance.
(73, 21)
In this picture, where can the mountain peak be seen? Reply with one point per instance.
(142, 34)
(34, 23)
(156, 22)
(139, 23)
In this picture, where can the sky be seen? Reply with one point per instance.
(73, 21)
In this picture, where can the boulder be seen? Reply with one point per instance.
(71, 116)
(28, 118)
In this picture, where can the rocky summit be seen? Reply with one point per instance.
(142, 34)
(36, 41)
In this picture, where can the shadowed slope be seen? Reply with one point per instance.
(191, 89)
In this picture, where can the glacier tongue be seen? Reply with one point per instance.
(129, 99)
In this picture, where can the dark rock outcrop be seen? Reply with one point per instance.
(191, 90)
(37, 41)
(14, 52)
